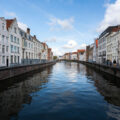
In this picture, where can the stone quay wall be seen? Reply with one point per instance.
(8, 72)
(112, 70)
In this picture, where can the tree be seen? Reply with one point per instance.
(54, 57)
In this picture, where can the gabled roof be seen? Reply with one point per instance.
(74, 52)
(66, 53)
(81, 50)
(9, 22)
(49, 49)
(45, 45)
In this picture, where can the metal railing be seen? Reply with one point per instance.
(27, 62)
(109, 64)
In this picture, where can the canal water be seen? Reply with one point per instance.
(65, 91)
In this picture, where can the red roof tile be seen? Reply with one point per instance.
(81, 50)
(9, 22)
(74, 52)
(96, 41)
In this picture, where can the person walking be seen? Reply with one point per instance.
(114, 63)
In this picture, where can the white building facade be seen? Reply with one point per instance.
(74, 56)
(102, 49)
(4, 43)
(15, 42)
(81, 55)
(38, 47)
(44, 52)
(17, 45)
(27, 44)
(116, 47)
(113, 47)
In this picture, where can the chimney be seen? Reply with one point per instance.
(34, 36)
(28, 30)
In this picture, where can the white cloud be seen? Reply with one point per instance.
(111, 17)
(54, 39)
(10, 14)
(70, 45)
(57, 51)
(56, 23)
(82, 46)
(22, 26)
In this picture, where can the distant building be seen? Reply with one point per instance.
(44, 52)
(81, 54)
(60, 57)
(89, 53)
(50, 54)
(74, 56)
(95, 51)
(38, 48)
(66, 56)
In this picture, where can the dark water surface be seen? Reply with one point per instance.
(65, 91)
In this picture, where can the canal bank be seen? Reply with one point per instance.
(9, 72)
(111, 70)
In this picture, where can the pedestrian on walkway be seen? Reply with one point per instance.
(114, 63)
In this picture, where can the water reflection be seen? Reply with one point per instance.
(67, 91)
(13, 96)
(107, 86)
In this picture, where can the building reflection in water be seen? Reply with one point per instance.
(109, 88)
(13, 98)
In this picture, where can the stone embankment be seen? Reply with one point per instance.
(112, 70)
(9, 72)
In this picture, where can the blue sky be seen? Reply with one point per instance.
(65, 25)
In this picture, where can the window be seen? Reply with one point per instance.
(0, 60)
(11, 37)
(25, 43)
(7, 48)
(18, 59)
(18, 41)
(3, 38)
(15, 39)
(18, 49)
(31, 45)
(15, 30)
(15, 49)
(7, 39)
(3, 59)
(26, 55)
(3, 26)
(3, 48)
(14, 59)
(12, 49)
(11, 58)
